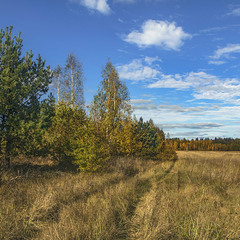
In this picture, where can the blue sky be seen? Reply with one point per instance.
(179, 58)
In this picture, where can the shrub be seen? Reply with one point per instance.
(72, 139)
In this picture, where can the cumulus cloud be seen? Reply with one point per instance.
(137, 71)
(226, 51)
(171, 81)
(204, 86)
(97, 5)
(151, 60)
(226, 90)
(158, 33)
(183, 82)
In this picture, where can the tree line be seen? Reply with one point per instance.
(34, 123)
(216, 144)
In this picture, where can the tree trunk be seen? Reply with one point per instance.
(58, 92)
(72, 82)
(8, 153)
(6, 146)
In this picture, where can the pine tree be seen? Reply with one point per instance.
(23, 81)
(73, 139)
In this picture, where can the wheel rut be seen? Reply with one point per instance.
(146, 189)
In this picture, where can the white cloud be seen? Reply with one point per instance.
(190, 125)
(223, 113)
(203, 120)
(183, 82)
(208, 120)
(140, 101)
(179, 109)
(146, 95)
(212, 29)
(217, 62)
(145, 107)
(176, 109)
(151, 60)
(226, 51)
(158, 33)
(225, 90)
(136, 71)
(170, 81)
(204, 86)
(168, 114)
(235, 12)
(160, 110)
(120, 20)
(97, 5)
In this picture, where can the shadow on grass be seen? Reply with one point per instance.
(33, 170)
(27, 168)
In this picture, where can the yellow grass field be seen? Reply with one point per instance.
(196, 197)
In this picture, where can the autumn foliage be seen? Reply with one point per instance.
(34, 124)
(109, 131)
(204, 144)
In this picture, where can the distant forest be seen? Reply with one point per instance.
(217, 144)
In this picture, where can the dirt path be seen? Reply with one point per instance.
(147, 190)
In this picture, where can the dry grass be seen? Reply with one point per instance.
(198, 197)
(41, 202)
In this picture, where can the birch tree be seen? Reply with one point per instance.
(58, 81)
(111, 104)
(73, 89)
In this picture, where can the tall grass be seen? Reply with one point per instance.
(198, 197)
(52, 204)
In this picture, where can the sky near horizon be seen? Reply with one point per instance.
(178, 58)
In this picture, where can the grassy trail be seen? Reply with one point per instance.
(199, 198)
(143, 211)
(144, 186)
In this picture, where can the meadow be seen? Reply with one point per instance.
(195, 197)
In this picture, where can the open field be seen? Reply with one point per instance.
(197, 197)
